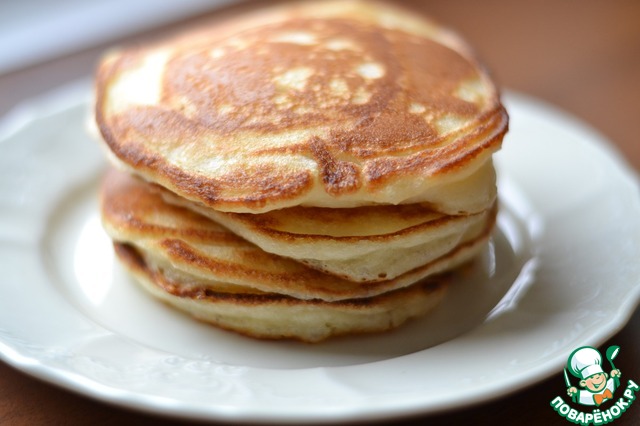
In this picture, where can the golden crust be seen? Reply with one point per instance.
(325, 104)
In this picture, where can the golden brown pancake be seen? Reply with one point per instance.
(274, 316)
(363, 244)
(195, 265)
(305, 171)
(321, 104)
(193, 249)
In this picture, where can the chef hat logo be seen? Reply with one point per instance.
(584, 362)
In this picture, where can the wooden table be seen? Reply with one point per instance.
(583, 56)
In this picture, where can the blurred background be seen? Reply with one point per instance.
(582, 56)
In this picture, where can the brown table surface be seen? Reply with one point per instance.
(581, 55)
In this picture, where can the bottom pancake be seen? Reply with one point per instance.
(275, 316)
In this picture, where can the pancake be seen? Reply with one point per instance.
(316, 104)
(198, 267)
(191, 248)
(306, 171)
(365, 244)
(274, 316)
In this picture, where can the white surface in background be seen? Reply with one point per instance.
(33, 31)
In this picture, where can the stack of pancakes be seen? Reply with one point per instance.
(301, 172)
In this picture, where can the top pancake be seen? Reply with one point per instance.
(327, 104)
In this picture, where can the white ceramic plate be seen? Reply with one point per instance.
(562, 271)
